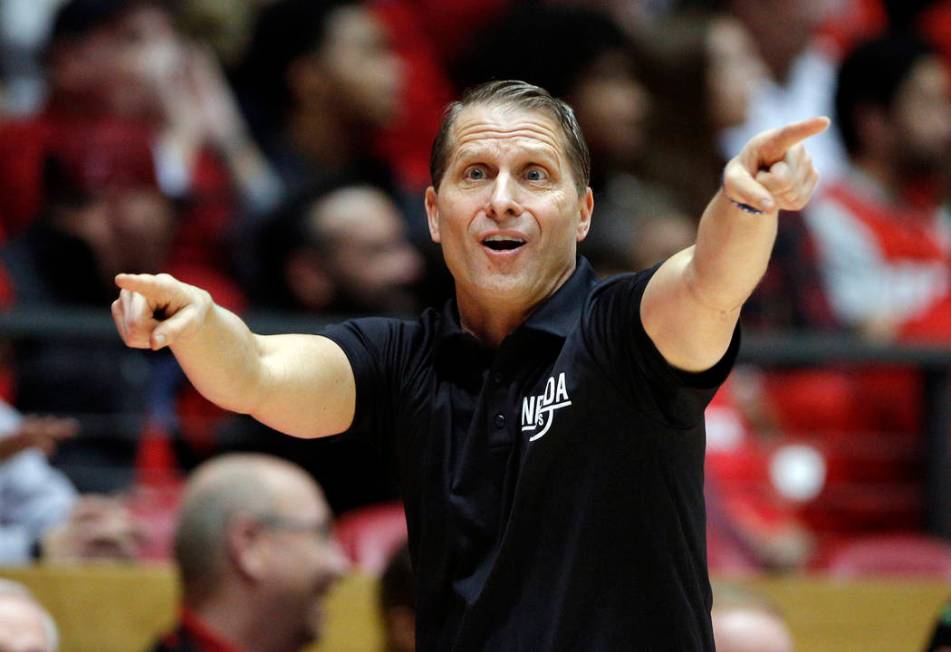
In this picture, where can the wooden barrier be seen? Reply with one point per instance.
(115, 608)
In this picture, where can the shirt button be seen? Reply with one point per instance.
(500, 421)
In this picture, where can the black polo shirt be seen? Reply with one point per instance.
(554, 486)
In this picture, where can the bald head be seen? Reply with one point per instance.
(25, 626)
(222, 489)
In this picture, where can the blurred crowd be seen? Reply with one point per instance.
(276, 152)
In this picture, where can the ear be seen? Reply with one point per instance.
(245, 551)
(585, 209)
(432, 214)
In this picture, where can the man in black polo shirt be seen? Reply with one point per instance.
(548, 427)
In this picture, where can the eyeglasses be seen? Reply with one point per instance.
(323, 531)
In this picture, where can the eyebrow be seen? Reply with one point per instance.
(543, 152)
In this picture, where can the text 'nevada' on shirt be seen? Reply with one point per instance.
(554, 486)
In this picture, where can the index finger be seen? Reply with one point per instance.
(150, 286)
(136, 282)
(780, 141)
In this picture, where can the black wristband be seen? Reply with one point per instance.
(746, 208)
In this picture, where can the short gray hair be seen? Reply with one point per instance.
(522, 95)
(221, 489)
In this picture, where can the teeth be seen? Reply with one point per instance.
(503, 238)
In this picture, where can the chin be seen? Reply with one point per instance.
(503, 286)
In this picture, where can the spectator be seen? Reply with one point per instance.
(121, 62)
(746, 622)
(320, 78)
(36, 497)
(25, 626)
(104, 212)
(700, 68)
(882, 240)
(800, 74)
(398, 603)
(256, 557)
(41, 516)
(343, 251)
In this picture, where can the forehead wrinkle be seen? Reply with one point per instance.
(480, 139)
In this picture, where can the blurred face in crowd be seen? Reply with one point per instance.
(611, 107)
(733, 72)
(299, 559)
(508, 211)
(126, 228)
(367, 255)
(22, 627)
(921, 119)
(364, 72)
(660, 237)
(121, 65)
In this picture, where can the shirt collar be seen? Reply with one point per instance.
(556, 315)
(207, 639)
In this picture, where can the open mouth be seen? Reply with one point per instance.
(503, 243)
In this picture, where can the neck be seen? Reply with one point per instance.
(323, 137)
(489, 324)
(235, 620)
(490, 318)
(882, 173)
(922, 190)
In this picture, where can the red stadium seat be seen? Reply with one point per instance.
(369, 535)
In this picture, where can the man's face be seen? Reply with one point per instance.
(508, 213)
(21, 626)
(921, 116)
(123, 63)
(366, 72)
(611, 106)
(304, 561)
(370, 259)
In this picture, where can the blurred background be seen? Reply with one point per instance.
(276, 152)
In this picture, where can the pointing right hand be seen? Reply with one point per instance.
(154, 311)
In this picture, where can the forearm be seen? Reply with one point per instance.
(222, 359)
(260, 187)
(299, 384)
(731, 254)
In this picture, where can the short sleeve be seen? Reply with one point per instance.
(616, 339)
(378, 350)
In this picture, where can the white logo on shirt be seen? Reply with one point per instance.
(538, 412)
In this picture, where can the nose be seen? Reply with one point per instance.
(503, 202)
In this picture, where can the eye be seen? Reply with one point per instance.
(474, 173)
(536, 173)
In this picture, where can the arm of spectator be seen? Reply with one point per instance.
(202, 111)
(302, 385)
(691, 305)
(42, 433)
